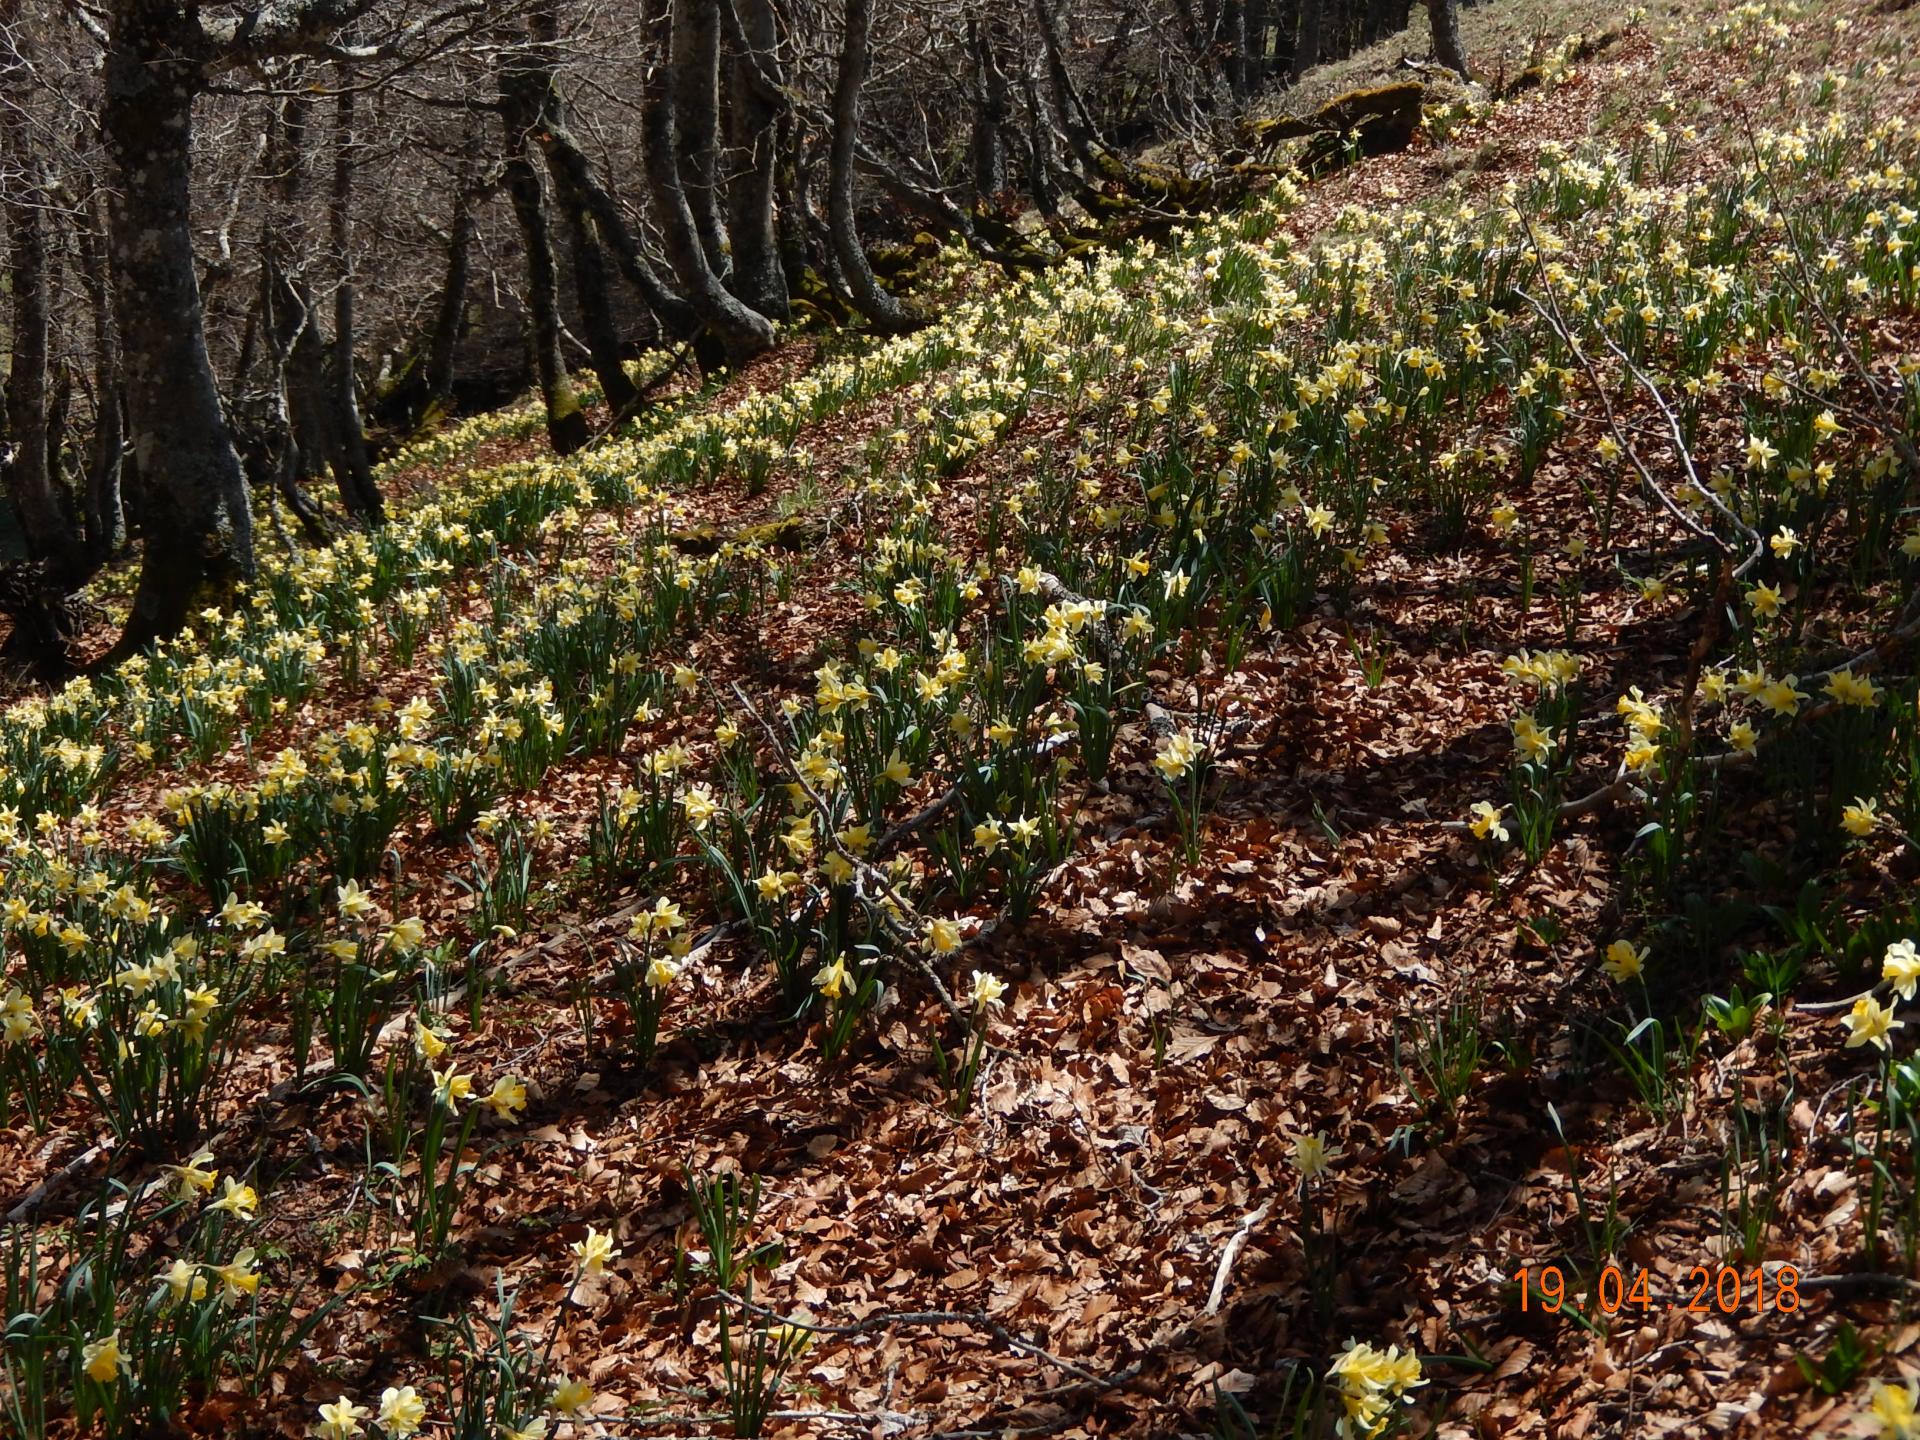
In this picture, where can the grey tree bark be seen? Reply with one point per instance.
(197, 526)
(566, 423)
(521, 78)
(578, 191)
(450, 312)
(1448, 48)
(301, 417)
(986, 141)
(106, 519)
(753, 119)
(352, 466)
(694, 57)
(742, 331)
(1257, 20)
(29, 477)
(886, 314)
(596, 315)
(29, 466)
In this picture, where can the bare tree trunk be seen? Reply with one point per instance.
(566, 423)
(1233, 24)
(295, 390)
(30, 478)
(1306, 44)
(1448, 48)
(1041, 164)
(523, 77)
(542, 115)
(885, 313)
(451, 312)
(1074, 119)
(352, 467)
(197, 523)
(990, 105)
(596, 316)
(1256, 24)
(754, 122)
(302, 421)
(106, 522)
(695, 84)
(742, 332)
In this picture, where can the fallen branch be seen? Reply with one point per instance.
(1235, 1243)
(38, 1198)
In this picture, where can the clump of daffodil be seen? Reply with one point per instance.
(849, 987)
(1312, 1159)
(985, 995)
(1373, 1385)
(646, 967)
(1182, 759)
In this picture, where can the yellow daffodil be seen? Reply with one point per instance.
(1871, 1023)
(1860, 818)
(1485, 823)
(942, 936)
(103, 1361)
(340, 1420)
(402, 1411)
(1312, 1155)
(987, 991)
(507, 1098)
(239, 1199)
(1901, 967)
(592, 1254)
(1624, 961)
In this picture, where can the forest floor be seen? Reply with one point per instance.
(1109, 1240)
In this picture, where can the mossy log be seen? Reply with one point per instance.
(792, 533)
(1375, 120)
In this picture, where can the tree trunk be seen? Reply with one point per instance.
(742, 332)
(1041, 164)
(754, 123)
(1306, 44)
(1233, 35)
(596, 316)
(534, 110)
(297, 389)
(695, 84)
(539, 110)
(885, 313)
(566, 423)
(987, 145)
(106, 521)
(451, 313)
(1075, 122)
(523, 77)
(1256, 23)
(352, 467)
(31, 475)
(303, 425)
(1448, 48)
(197, 523)
(30, 479)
